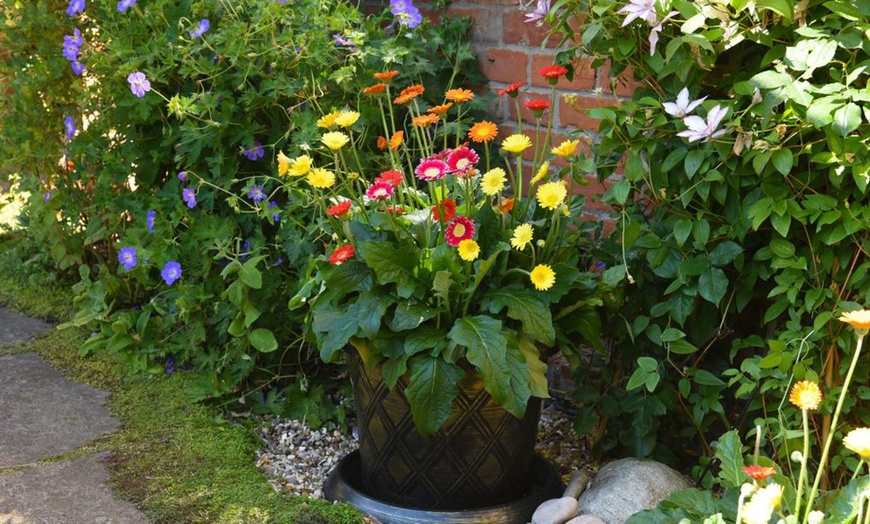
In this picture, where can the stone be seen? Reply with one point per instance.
(68, 492)
(17, 329)
(626, 486)
(43, 413)
(555, 511)
(586, 519)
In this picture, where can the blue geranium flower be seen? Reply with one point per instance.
(127, 257)
(171, 272)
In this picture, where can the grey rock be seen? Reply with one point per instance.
(555, 511)
(17, 329)
(586, 519)
(43, 414)
(624, 487)
(67, 492)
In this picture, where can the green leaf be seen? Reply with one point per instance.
(391, 264)
(705, 378)
(408, 316)
(441, 285)
(237, 326)
(712, 285)
(729, 451)
(680, 306)
(845, 505)
(647, 364)
(693, 161)
(333, 329)
(619, 191)
(725, 252)
(821, 53)
(637, 379)
(371, 307)
(682, 230)
(784, 8)
(847, 118)
(770, 80)
(781, 223)
(263, 340)
(432, 388)
(671, 334)
(250, 275)
(523, 305)
(634, 169)
(682, 347)
(782, 160)
(422, 339)
(537, 368)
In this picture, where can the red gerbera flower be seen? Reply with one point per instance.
(461, 228)
(462, 160)
(341, 255)
(339, 209)
(449, 208)
(379, 190)
(512, 90)
(392, 177)
(431, 169)
(553, 73)
(759, 472)
(537, 106)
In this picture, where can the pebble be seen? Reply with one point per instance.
(586, 519)
(556, 511)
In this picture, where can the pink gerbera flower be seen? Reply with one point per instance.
(380, 190)
(392, 177)
(462, 160)
(461, 228)
(431, 169)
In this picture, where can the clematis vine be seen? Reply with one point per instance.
(682, 106)
(542, 7)
(700, 129)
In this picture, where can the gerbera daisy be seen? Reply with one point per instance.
(397, 139)
(859, 320)
(462, 160)
(283, 163)
(759, 472)
(301, 165)
(483, 132)
(341, 255)
(339, 209)
(382, 143)
(440, 110)
(858, 440)
(425, 120)
(394, 210)
(392, 177)
(537, 106)
(335, 140)
(469, 250)
(459, 95)
(449, 208)
(386, 76)
(543, 277)
(375, 89)
(459, 229)
(321, 178)
(542, 172)
(566, 148)
(522, 236)
(512, 90)
(553, 73)
(409, 93)
(516, 143)
(431, 169)
(379, 190)
(507, 206)
(493, 181)
(551, 195)
(806, 395)
(327, 120)
(346, 118)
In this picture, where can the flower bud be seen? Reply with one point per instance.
(797, 456)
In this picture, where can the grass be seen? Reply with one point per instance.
(180, 462)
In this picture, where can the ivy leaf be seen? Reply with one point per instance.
(523, 305)
(431, 392)
(263, 340)
(729, 451)
(712, 285)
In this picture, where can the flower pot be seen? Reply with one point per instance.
(482, 455)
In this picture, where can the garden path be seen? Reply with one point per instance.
(47, 472)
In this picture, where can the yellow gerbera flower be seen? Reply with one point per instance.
(346, 118)
(335, 140)
(516, 143)
(762, 505)
(566, 148)
(806, 395)
(522, 236)
(327, 120)
(321, 178)
(551, 195)
(468, 250)
(542, 172)
(283, 163)
(301, 165)
(858, 440)
(492, 182)
(543, 277)
(860, 320)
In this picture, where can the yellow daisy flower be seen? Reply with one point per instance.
(300, 166)
(522, 236)
(566, 148)
(543, 277)
(468, 250)
(346, 118)
(806, 395)
(542, 172)
(551, 195)
(327, 120)
(860, 320)
(335, 140)
(492, 182)
(762, 505)
(283, 163)
(858, 440)
(321, 178)
(516, 143)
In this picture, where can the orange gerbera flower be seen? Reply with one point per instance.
(440, 110)
(386, 76)
(759, 472)
(425, 120)
(459, 95)
(409, 93)
(382, 143)
(397, 139)
(483, 131)
(507, 205)
(806, 395)
(375, 89)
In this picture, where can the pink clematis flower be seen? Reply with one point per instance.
(654, 32)
(643, 9)
(683, 106)
(541, 9)
(699, 129)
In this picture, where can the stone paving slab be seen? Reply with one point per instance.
(43, 414)
(16, 329)
(68, 492)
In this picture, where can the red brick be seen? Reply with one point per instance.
(575, 114)
(584, 75)
(502, 65)
(495, 2)
(486, 23)
(517, 31)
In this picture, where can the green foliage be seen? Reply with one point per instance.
(742, 221)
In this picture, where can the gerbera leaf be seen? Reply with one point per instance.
(391, 265)
(524, 306)
(431, 391)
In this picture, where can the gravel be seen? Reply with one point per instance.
(297, 458)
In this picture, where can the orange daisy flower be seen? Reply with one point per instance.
(375, 89)
(425, 120)
(459, 95)
(440, 110)
(483, 131)
(382, 143)
(397, 139)
(409, 93)
(386, 76)
(507, 205)
(759, 472)
(857, 319)
(806, 395)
